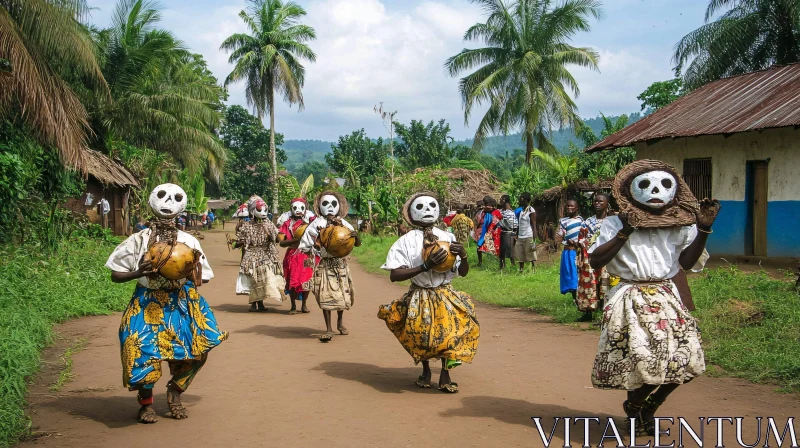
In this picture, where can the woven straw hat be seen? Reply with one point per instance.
(344, 207)
(682, 211)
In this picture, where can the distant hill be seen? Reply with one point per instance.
(498, 145)
(301, 151)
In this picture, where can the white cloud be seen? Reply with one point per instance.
(393, 51)
(623, 75)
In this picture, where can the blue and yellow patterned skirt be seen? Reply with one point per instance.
(165, 325)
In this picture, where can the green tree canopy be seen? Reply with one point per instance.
(750, 35)
(660, 93)
(521, 73)
(314, 168)
(356, 154)
(249, 168)
(422, 145)
(163, 96)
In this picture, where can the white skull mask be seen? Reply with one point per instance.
(329, 205)
(298, 209)
(167, 200)
(424, 210)
(258, 209)
(654, 189)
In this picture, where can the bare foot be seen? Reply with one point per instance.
(326, 337)
(146, 415)
(342, 329)
(176, 409)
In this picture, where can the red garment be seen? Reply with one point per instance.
(491, 241)
(448, 219)
(298, 266)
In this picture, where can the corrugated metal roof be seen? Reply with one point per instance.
(759, 100)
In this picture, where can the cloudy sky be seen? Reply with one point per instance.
(393, 51)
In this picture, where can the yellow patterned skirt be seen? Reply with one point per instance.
(433, 323)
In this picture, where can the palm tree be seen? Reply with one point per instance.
(751, 35)
(566, 171)
(522, 72)
(164, 97)
(44, 47)
(268, 59)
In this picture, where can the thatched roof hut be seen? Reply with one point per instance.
(106, 179)
(466, 187)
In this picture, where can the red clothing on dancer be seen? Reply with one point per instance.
(298, 266)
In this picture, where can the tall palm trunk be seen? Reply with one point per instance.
(528, 146)
(272, 153)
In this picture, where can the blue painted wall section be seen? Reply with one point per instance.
(729, 229)
(783, 229)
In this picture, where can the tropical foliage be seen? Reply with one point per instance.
(268, 59)
(249, 169)
(660, 93)
(749, 35)
(46, 51)
(422, 145)
(358, 155)
(521, 74)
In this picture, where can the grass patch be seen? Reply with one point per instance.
(36, 292)
(750, 322)
(66, 375)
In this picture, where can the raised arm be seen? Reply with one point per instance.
(705, 219)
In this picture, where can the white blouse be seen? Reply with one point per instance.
(311, 233)
(126, 256)
(649, 254)
(406, 252)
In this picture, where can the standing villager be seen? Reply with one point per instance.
(649, 343)
(489, 241)
(477, 221)
(298, 266)
(592, 284)
(333, 285)
(432, 320)
(462, 227)
(568, 228)
(166, 319)
(525, 247)
(508, 230)
(260, 274)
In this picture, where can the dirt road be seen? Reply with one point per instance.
(273, 384)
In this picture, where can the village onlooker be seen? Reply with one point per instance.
(140, 224)
(182, 221)
(568, 228)
(508, 230)
(489, 240)
(210, 219)
(525, 248)
(592, 283)
(477, 221)
(462, 227)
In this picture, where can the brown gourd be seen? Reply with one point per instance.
(447, 264)
(173, 262)
(337, 241)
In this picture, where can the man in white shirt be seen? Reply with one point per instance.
(525, 247)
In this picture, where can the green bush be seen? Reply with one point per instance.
(37, 290)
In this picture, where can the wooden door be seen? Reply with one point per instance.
(759, 207)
